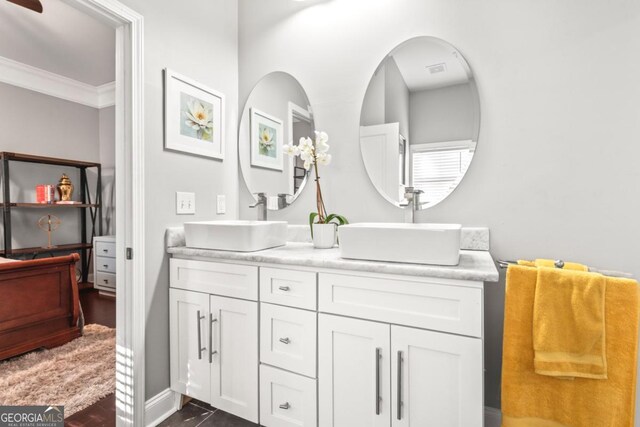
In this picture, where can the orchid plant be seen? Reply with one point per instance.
(316, 154)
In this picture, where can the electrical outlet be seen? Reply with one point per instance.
(221, 204)
(185, 203)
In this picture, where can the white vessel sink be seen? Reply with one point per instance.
(398, 242)
(241, 236)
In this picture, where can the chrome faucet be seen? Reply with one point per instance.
(261, 204)
(412, 201)
(282, 200)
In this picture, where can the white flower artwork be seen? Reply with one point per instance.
(266, 141)
(194, 117)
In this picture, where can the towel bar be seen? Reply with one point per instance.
(504, 263)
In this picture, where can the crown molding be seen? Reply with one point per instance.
(39, 80)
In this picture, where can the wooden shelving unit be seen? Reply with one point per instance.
(87, 205)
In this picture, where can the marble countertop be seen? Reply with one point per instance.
(474, 265)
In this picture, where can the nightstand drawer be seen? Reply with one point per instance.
(105, 279)
(288, 287)
(105, 264)
(107, 249)
(288, 338)
(286, 399)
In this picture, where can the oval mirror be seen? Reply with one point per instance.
(420, 122)
(277, 113)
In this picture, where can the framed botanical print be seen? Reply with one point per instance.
(266, 140)
(193, 117)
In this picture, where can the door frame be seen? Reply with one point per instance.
(130, 281)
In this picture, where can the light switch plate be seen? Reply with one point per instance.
(221, 204)
(185, 203)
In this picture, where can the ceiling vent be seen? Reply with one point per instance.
(437, 68)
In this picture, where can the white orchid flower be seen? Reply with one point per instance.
(321, 137)
(306, 155)
(307, 164)
(291, 150)
(306, 143)
(321, 146)
(323, 159)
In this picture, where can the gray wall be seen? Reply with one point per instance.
(107, 141)
(33, 123)
(199, 41)
(555, 174)
(443, 114)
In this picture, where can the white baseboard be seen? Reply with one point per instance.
(160, 407)
(492, 417)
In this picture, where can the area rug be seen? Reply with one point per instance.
(75, 375)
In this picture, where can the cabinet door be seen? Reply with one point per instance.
(234, 369)
(189, 329)
(436, 379)
(353, 375)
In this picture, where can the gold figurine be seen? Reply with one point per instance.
(65, 188)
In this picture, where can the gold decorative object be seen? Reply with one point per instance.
(49, 223)
(65, 188)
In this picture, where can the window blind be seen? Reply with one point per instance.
(438, 171)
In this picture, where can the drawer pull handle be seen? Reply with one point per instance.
(105, 280)
(285, 340)
(213, 352)
(285, 405)
(105, 265)
(200, 348)
(378, 398)
(399, 387)
(105, 250)
(284, 288)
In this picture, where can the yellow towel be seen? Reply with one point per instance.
(569, 324)
(552, 263)
(529, 399)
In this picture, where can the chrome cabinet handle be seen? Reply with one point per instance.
(285, 340)
(285, 405)
(378, 397)
(212, 352)
(399, 391)
(284, 288)
(200, 348)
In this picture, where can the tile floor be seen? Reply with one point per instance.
(199, 414)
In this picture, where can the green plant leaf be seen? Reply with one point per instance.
(339, 219)
(312, 217)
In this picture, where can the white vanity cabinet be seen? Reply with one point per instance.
(312, 346)
(214, 338)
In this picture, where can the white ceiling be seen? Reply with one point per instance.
(414, 56)
(61, 40)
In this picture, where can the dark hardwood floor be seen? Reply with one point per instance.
(101, 310)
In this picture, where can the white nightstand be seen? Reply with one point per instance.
(104, 263)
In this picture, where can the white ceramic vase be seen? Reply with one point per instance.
(324, 235)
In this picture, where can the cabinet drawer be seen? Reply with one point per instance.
(107, 280)
(288, 338)
(425, 304)
(288, 287)
(105, 264)
(238, 281)
(286, 399)
(107, 249)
